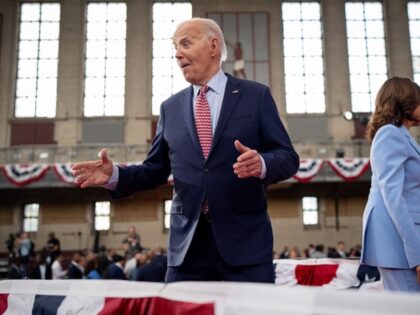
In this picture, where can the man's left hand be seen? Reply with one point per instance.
(248, 163)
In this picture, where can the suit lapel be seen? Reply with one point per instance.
(230, 100)
(411, 140)
(187, 111)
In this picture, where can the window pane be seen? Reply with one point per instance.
(29, 30)
(367, 53)
(48, 49)
(50, 30)
(102, 223)
(303, 61)
(37, 63)
(310, 217)
(414, 24)
(165, 72)
(105, 59)
(30, 225)
(30, 12)
(167, 209)
(310, 203)
(102, 208)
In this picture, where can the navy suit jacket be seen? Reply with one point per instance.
(237, 207)
(115, 272)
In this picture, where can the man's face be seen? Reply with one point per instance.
(197, 55)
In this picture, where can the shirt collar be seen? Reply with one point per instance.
(216, 83)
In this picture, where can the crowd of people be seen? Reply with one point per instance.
(318, 251)
(129, 262)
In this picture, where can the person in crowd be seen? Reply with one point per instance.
(41, 270)
(131, 243)
(285, 254)
(319, 252)
(25, 250)
(105, 260)
(14, 271)
(53, 246)
(76, 268)
(224, 142)
(10, 245)
(154, 269)
(341, 249)
(57, 269)
(116, 269)
(131, 265)
(391, 220)
(91, 269)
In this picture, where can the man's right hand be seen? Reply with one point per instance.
(93, 173)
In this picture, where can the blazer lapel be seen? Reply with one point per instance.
(230, 100)
(411, 140)
(187, 111)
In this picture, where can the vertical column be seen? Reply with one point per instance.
(397, 38)
(8, 51)
(70, 72)
(138, 84)
(337, 83)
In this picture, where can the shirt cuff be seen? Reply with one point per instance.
(113, 181)
(263, 168)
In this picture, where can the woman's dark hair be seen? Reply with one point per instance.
(395, 102)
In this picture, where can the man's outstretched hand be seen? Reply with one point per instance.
(93, 173)
(248, 163)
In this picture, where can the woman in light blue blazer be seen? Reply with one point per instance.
(391, 221)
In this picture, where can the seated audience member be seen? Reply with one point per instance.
(116, 269)
(91, 269)
(285, 253)
(58, 272)
(153, 270)
(14, 271)
(319, 252)
(76, 269)
(341, 249)
(105, 260)
(41, 270)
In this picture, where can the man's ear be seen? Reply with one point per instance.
(214, 47)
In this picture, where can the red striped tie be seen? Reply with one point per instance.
(203, 126)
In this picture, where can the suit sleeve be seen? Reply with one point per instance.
(280, 158)
(389, 153)
(154, 171)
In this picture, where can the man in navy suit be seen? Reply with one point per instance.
(116, 270)
(219, 226)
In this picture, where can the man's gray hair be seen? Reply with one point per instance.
(211, 29)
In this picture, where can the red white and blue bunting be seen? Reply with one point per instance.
(308, 169)
(349, 169)
(22, 174)
(64, 172)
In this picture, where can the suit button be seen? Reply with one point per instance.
(206, 170)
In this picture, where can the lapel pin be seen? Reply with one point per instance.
(235, 91)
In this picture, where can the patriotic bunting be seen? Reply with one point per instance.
(21, 175)
(308, 169)
(64, 172)
(349, 169)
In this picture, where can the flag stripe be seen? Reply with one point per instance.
(154, 306)
(47, 304)
(3, 303)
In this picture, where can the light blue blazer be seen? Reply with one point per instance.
(391, 221)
